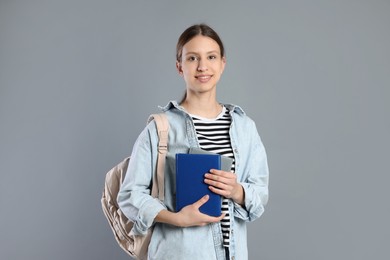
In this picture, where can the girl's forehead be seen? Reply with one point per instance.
(201, 43)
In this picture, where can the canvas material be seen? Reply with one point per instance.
(134, 245)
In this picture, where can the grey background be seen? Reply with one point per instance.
(79, 78)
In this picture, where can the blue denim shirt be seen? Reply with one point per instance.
(171, 242)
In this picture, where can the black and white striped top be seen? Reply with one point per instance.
(213, 136)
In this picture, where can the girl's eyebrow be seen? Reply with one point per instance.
(196, 53)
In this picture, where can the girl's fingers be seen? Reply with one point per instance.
(201, 201)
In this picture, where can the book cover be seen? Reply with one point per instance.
(190, 185)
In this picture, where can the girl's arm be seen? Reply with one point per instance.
(188, 216)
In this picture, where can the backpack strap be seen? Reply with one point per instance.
(162, 125)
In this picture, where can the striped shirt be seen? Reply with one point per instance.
(213, 136)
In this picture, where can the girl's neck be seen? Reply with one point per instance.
(203, 107)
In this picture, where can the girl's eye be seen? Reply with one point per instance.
(192, 58)
(212, 57)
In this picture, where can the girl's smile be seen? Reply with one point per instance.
(203, 78)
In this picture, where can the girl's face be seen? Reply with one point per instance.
(201, 64)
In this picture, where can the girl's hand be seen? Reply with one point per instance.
(225, 184)
(188, 216)
(191, 216)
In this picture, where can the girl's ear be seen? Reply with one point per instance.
(178, 67)
(223, 64)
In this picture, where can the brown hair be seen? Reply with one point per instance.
(194, 30)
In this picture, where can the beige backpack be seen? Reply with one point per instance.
(135, 246)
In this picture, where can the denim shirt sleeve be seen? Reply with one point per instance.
(134, 197)
(255, 176)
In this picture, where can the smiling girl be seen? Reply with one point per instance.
(199, 121)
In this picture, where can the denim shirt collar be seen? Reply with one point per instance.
(173, 104)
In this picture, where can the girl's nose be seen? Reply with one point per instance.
(202, 66)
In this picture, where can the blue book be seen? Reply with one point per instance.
(190, 185)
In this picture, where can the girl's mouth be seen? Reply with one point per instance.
(203, 78)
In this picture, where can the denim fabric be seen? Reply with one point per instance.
(170, 242)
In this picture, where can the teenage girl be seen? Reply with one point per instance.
(200, 121)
